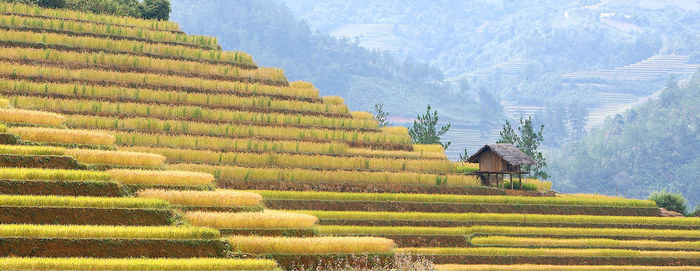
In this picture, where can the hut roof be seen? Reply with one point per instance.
(507, 151)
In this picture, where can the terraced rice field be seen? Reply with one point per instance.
(127, 144)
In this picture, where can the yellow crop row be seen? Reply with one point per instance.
(154, 177)
(8, 69)
(83, 27)
(95, 264)
(52, 174)
(68, 136)
(201, 114)
(428, 148)
(226, 144)
(329, 176)
(234, 131)
(499, 230)
(22, 87)
(158, 65)
(86, 202)
(333, 100)
(125, 46)
(397, 154)
(301, 84)
(362, 115)
(528, 267)
(250, 220)
(297, 160)
(31, 117)
(121, 158)
(216, 198)
(71, 231)
(490, 251)
(309, 245)
(88, 156)
(4, 103)
(511, 241)
(17, 8)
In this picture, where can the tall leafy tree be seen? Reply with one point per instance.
(380, 115)
(528, 141)
(156, 9)
(424, 130)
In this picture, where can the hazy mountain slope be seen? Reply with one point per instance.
(650, 147)
(464, 36)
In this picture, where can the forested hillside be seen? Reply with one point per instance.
(648, 148)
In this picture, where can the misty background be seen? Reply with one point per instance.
(614, 82)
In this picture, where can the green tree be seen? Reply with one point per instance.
(156, 9)
(669, 201)
(424, 130)
(380, 115)
(528, 141)
(464, 156)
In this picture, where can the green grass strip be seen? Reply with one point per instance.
(106, 232)
(430, 198)
(490, 251)
(136, 264)
(529, 218)
(91, 202)
(329, 230)
(52, 174)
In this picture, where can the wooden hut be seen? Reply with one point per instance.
(500, 159)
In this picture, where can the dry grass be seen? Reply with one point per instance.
(397, 154)
(182, 112)
(97, 76)
(125, 46)
(153, 177)
(453, 198)
(361, 115)
(216, 198)
(95, 92)
(510, 241)
(494, 217)
(94, 264)
(31, 117)
(111, 232)
(68, 136)
(250, 220)
(88, 16)
(309, 245)
(330, 176)
(230, 72)
(428, 148)
(227, 144)
(234, 130)
(335, 100)
(122, 158)
(299, 160)
(84, 27)
(528, 267)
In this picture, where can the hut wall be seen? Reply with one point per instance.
(489, 161)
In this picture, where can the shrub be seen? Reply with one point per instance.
(669, 201)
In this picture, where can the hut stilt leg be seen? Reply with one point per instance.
(511, 182)
(520, 178)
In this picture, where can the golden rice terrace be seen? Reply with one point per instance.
(126, 144)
